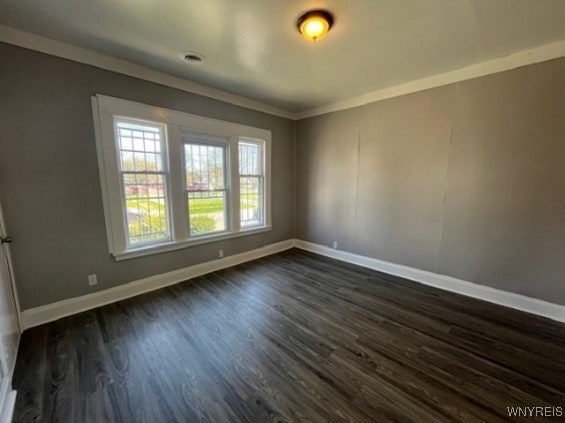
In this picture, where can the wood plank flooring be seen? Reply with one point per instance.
(290, 337)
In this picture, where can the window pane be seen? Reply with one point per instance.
(205, 186)
(139, 147)
(204, 167)
(251, 193)
(250, 158)
(251, 183)
(146, 207)
(206, 211)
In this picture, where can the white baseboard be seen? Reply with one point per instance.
(458, 286)
(50, 312)
(7, 411)
(5, 389)
(7, 397)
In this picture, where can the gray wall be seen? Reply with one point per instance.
(49, 181)
(466, 180)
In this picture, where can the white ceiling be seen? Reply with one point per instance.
(253, 49)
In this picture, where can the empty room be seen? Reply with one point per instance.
(282, 211)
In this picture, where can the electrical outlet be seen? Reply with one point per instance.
(335, 245)
(220, 253)
(92, 280)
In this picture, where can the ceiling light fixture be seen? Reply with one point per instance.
(315, 24)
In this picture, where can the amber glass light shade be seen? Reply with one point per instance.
(315, 24)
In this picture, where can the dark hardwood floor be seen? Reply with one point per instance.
(291, 337)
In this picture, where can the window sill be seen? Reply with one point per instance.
(172, 246)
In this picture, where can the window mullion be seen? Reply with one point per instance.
(142, 172)
(235, 221)
(177, 181)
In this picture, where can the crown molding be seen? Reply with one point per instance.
(42, 44)
(501, 64)
(56, 48)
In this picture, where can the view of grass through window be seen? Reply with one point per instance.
(172, 180)
(205, 187)
(144, 182)
(145, 190)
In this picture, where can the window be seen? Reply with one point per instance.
(171, 180)
(205, 166)
(144, 181)
(251, 183)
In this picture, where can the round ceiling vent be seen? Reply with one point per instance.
(192, 57)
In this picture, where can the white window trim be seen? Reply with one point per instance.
(178, 126)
